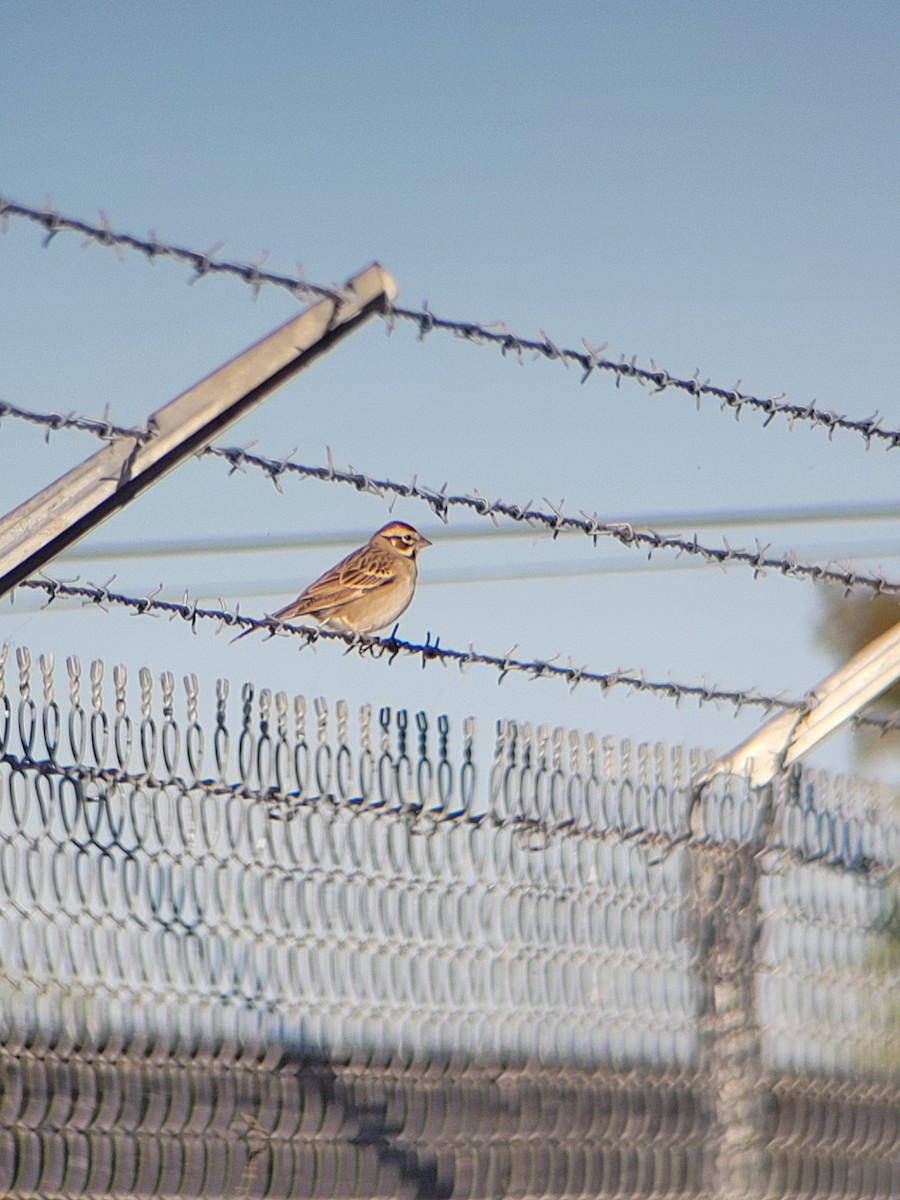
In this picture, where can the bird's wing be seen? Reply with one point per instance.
(356, 576)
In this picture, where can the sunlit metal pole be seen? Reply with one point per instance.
(782, 741)
(35, 532)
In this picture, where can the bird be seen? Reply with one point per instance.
(366, 591)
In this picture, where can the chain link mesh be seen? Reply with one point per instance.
(297, 951)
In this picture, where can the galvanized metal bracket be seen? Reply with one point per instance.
(35, 532)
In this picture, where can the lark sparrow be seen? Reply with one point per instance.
(367, 590)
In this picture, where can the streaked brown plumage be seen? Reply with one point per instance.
(366, 591)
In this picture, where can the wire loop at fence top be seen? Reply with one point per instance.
(589, 359)
(552, 521)
(540, 781)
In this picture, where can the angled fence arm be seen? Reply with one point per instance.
(35, 532)
(782, 741)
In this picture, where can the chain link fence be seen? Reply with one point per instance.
(286, 950)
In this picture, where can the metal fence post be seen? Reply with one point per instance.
(725, 903)
(58, 515)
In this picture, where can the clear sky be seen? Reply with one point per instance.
(707, 186)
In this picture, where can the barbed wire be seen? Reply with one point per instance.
(496, 334)
(441, 502)
(660, 380)
(100, 427)
(152, 248)
(392, 647)
(556, 523)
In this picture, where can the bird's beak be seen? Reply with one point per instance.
(423, 542)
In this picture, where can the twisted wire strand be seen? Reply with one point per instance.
(152, 248)
(392, 647)
(555, 522)
(588, 360)
(100, 427)
(441, 502)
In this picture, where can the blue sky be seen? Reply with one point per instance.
(708, 186)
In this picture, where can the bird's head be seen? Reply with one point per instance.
(402, 539)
